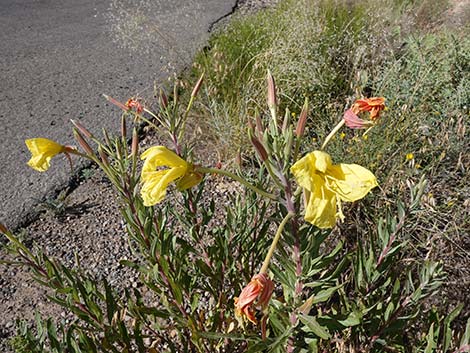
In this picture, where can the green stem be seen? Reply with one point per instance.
(332, 133)
(237, 178)
(185, 117)
(270, 253)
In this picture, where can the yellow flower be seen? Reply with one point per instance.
(326, 185)
(155, 182)
(409, 156)
(42, 150)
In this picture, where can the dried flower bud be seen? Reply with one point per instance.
(300, 129)
(198, 85)
(82, 129)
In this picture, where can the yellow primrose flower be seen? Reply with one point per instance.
(155, 182)
(42, 150)
(326, 185)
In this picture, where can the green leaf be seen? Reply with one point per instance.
(389, 311)
(466, 336)
(447, 329)
(430, 340)
(313, 326)
(325, 294)
(353, 319)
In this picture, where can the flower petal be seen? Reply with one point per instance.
(188, 181)
(350, 182)
(321, 205)
(353, 121)
(159, 156)
(155, 184)
(42, 150)
(306, 168)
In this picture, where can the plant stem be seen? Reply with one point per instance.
(332, 133)
(237, 178)
(270, 253)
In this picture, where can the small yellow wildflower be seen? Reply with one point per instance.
(155, 182)
(42, 150)
(342, 135)
(409, 156)
(365, 137)
(326, 185)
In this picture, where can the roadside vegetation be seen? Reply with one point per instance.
(262, 267)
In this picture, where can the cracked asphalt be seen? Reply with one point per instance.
(57, 58)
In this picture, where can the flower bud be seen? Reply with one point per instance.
(259, 148)
(197, 86)
(300, 129)
(163, 99)
(106, 137)
(259, 124)
(103, 156)
(3, 229)
(135, 143)
(123, 127)
(82, 129)
(116, 103)
(238, 159)
(82, 142)
(286, 122)
(272, 100)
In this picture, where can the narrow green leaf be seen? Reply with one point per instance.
(447, 329)
(431, 345)
(466, 336)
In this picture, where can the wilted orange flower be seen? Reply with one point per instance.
(255, 295)
(372, 105)
(132, 103)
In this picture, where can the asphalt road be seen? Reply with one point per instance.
(57, 58)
